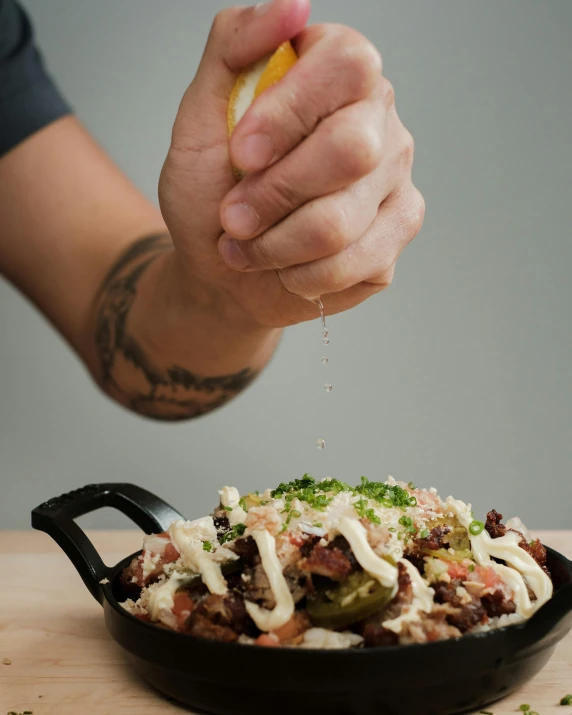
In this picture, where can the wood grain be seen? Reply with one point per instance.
(64, 663)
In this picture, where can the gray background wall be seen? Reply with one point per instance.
(458, 376)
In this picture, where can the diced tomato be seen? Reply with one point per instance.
(143, 617)
(171, 554)
(297, 625)
(458, 570)
(488, 576)
(183, 607)
(268, 640)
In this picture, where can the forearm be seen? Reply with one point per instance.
(167, 346)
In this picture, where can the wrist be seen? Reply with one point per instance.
(180, 318)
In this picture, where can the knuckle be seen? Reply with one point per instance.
(414, 213)
(359, 149)
(362, 62)
(260, 254)
(330, 233)
(387, 92)
(278, 194)
(407, 148)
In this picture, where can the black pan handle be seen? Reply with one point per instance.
(56, 518)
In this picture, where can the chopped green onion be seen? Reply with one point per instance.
(392, 529)
(242, 503)
(293, 513)
(406, 521)
(319, 525)
(237, 530)
(411, 485)
(566, 700)
(476, 528)
(471, 568)
(207, 546)
(227, 508)
(524, 708)
(412, 501)
(424, 534)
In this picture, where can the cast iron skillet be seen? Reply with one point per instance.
(229, 679)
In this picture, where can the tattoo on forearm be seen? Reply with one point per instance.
(127, 372)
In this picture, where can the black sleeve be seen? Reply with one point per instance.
(28, 98)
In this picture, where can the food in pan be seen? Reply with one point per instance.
(322, 564)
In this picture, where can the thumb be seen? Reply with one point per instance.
(238, 38)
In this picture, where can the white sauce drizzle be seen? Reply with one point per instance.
(229, 496)
(377, 567)
(422, 600)
(162, 599)
(265, 619)
(188, 537)
(507, 549)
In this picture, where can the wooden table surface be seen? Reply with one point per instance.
(62, 661)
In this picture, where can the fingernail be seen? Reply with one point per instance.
(232, 254)
(240, 220)
(255, 152)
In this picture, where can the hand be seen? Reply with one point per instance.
(328, 203)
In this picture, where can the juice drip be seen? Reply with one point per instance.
(321, 443)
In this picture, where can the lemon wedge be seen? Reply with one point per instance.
(256, 79)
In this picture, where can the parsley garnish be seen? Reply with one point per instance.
(236, 531)
(566, 700)
(365, 513)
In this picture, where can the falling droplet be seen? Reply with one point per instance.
(324, 361)
(326, 341)
(320, 443)
(327, 387)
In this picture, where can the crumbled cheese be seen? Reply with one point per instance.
(323, 638)
(230, 497)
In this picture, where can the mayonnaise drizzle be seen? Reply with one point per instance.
(230, 496)
(186, 536)
(422, 600)
(507, 549)
(265, 619)
(377, 567)
(161, 599)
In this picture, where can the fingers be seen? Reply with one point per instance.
(344, 148)
(337, 67)
(368, 260)
(238, 38)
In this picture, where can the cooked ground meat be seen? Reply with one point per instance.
(493, 524)
(496, 604)
(535, 548)
(246, 549)
(467, 616)
(375, 634)
(327, 561)
(462, 615)
(200, 626)
(342, 544)
(226, 611)
(257, 586)
(308, 546)
(435, 540)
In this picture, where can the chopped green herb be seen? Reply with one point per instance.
(476, 528)
(319, 525)
(424, 534)
(412, 501)
(227, 508)
(294, 513)
(361, 508)
(236, 531)
(406, 521)
(207, 546)
(392, 529)
(242, 503)
(471, 568)
(411, 485)
(524, 708)
(257, 493)
(566, 700)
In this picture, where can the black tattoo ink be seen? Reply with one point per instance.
(166, 393)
